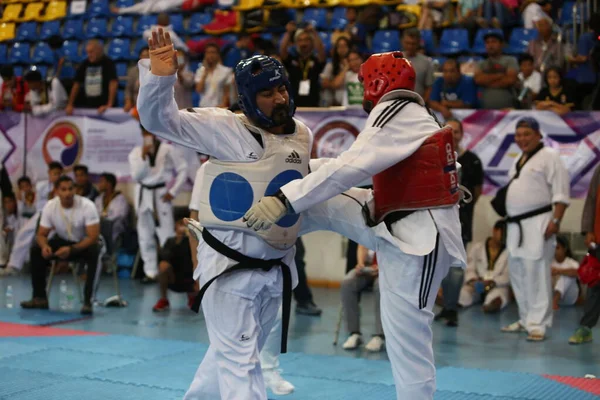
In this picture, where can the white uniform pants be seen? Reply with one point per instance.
(23, 242)
(237, 328)
(269, 355)
(568, 289)
(469, 296)
(531, 281)
(147, 229)
(408, 286)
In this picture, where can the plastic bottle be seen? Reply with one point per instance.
(9, 297)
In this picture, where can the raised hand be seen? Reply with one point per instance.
(163, 57)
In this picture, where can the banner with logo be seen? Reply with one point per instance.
(12, 143)
(489, 134)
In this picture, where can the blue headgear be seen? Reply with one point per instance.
(255, 74)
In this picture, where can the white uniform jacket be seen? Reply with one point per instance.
(477, 266)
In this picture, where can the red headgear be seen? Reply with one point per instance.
(382, 73)
(589, 271)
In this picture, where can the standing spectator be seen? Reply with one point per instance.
(452, 90)
(501, 13)
(496, 75)
(590, 227)
(411, 41)
(132, 86)
(13, 90)
(530, 81)
(546, 50)
(586, 74)
(334, 96)
(355, 28)
(470, 16)
(44, 100)
(540, 181)
(164, 21)
(83, 185)
(76, 224)
(112, 204)
(97, 76)
(347, 81)
(239, 51)
(432, 13)
(564, 275)
(304, 68)
(534, 11)
(213, 79)
(557, 96)
(184, 86)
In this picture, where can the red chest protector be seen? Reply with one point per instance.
(426, 179)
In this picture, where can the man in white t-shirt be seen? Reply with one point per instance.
(536, 11)
(530, 80)
(76, 224)
(213, 79)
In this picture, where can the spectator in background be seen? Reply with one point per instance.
(432, 13)
(347, 80)
(304, 68)
(44, 189)
(25, 198)
(546, 50)
(501, 13)
(239, 51)
(132, 87)
(452, 90)
(411, 41)
(363, 276)
(10, 226)
(184, 86)
(590, 227)
(44, 100)
(469, 15)
(496, 75)
(533, 11)
(530, 81)
(96, 81)
(164, 21)
(149, 7)
(585, 74)
(338, 66)
(355, 28)
(213, 79)
(564, 275)
(13, 90)
(557, 96)
(83, 185)
(486, 276)
(112, 204)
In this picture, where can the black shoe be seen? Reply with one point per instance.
(35, 303)
(87, 309)
(441, 315)
(452, 318)
(308, 309)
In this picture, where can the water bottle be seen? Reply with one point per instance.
(63, 302)
(70, 299)
(9, 296)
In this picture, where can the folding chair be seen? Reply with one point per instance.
(110, 248)
(338, 327)
(73, 268)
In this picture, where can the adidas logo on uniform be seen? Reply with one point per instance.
(294, 158)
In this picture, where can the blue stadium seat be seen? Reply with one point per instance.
(454, 41)
(118, 49)
(49, 28)
(19, 54)
(67, 71)
(139, 45)
(338, 18)
(18, 70)
(3, 57)
(519, 40)
(427, 41)
(121, 69)
(479, 43)
(194, 65)
(73, 29)
(43, 69)
(230, 37)
(124, 3)
(71, 52)
(98, 8)
(43, 54)
(317, 17)
(384, 41)
(326, 38)
(27, 31)
(177, 23)
(145, 22)
(120, 98)
(122, 26)
(96, 28)
(197, 22)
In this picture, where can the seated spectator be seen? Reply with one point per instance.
(469, 15)
(432, 14)
(76, 224)
(486, 275)
(501, 13)
(149, 7)
(112, 204)
(530, 81)
(11, 224)
(213, 79)
(304, 68)
(184, 86)
(176, 268)
(132, 87)
(365, 274)
(533, 11)
(546, 50)
(496, 75)
(239, 51)
(97, 76)
(411, 43)
(43, 99)
(83, 185)
(13, 90)
(452, 90)
(164, 21)
(338, 66)
(25, 198)
(44, 189)
(557, 96)
(564, 275)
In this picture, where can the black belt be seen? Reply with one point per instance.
(518, 218)
(151, 187)
(249, 263)
(395, 216)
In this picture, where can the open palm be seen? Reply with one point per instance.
(163, 57)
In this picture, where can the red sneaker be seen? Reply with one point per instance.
(161, 305)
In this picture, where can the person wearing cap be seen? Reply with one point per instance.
(536, 200)
(43, 99)
(496, 75)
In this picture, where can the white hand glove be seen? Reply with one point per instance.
(194, 227)
(265, 213)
